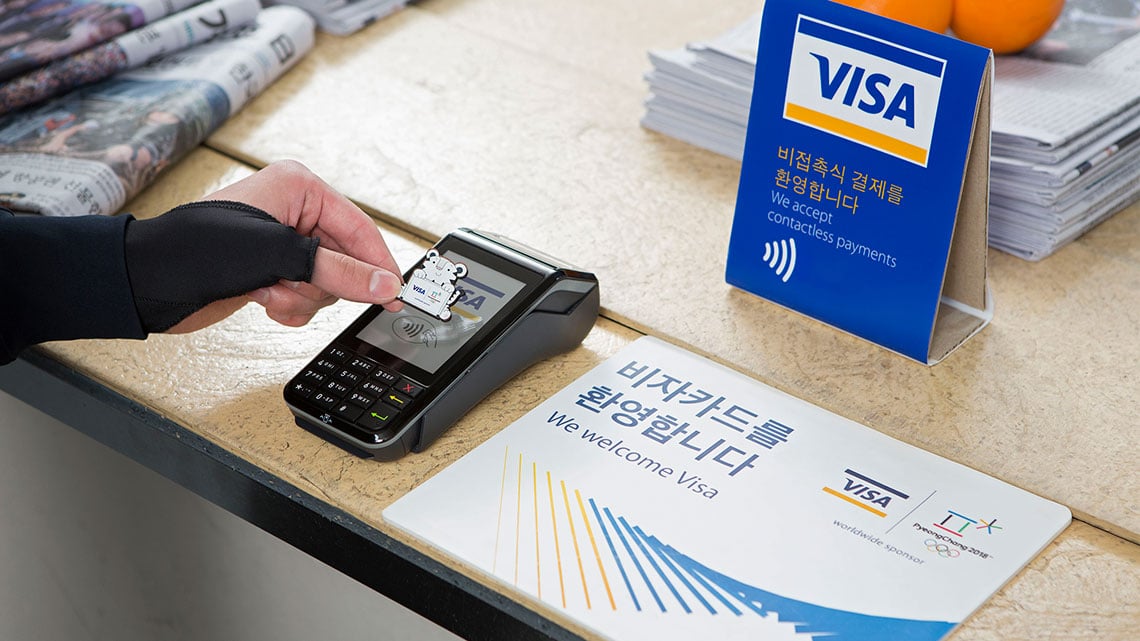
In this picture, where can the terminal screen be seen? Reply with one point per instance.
(427, 342)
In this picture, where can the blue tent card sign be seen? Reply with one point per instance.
(865, 185)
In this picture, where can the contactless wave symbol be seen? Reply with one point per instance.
(411, 329)
(781, 256)
(414, 330)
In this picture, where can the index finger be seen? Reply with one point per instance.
(346, 277)
(302, 200)
(341, 225)
(347, 229)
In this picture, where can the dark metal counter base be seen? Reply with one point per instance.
(419, 583)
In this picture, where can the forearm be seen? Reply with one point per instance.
(116, 277)
(62, 279)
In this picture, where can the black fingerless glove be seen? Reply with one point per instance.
(202, 252)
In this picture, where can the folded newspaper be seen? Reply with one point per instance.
(342, 17)
(90, 150)
(35, 32)
(1066, 119)
(128, 51)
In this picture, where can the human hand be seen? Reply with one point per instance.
(237, 256)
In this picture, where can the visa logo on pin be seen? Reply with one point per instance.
(863, 89)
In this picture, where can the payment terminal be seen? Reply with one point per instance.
(478, 309)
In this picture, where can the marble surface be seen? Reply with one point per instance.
(522, 118)
(225, 384)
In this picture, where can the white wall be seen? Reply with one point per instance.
(95, 546)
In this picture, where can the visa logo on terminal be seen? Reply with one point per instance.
(863, 89)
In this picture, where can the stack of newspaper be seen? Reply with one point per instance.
(342, 17)
(90, 118)
(1066, 119)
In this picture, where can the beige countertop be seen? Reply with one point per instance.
(522, 118)
(224, 383)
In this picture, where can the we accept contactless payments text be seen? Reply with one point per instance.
(815, 223)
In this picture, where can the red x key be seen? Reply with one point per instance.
(407, 388)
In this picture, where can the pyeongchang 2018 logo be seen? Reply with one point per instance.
(864, 89)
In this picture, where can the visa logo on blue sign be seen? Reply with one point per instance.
(864, 89)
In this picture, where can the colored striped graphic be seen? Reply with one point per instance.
(557, 549)
(596, 558)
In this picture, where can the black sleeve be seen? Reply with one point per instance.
(117, 277)
(63, 278)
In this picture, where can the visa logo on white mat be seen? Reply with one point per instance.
(864, 89)
(865, 492)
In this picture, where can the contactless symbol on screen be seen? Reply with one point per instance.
(781, 256)
(415, 330)
(431, 289)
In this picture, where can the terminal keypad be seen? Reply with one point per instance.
(355, 388)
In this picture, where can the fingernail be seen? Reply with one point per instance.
(383, 284)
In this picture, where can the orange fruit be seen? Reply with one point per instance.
(1005, 26)
(928, 14)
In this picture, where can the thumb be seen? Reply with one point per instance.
(346, 277)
